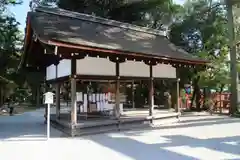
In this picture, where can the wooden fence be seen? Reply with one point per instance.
(220, 101)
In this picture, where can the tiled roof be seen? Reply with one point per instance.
(81, 29)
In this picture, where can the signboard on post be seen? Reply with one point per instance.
(48, 99)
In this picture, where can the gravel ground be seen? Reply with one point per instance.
(22, 137)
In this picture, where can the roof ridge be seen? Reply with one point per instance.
(97, 19)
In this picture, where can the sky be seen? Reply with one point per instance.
(20, 12)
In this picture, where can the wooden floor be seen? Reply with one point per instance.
(130, 114)
(98, 124)
(145, 112)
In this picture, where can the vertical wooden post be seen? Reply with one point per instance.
(117, 93)
(73, 92)
(57, 89)
(44, 91)
(177, 109)
(38, 95)
(1, 95)
(117, 112)
(151, 92)
(73, 102)
(57, 100)
(233, 58)
(133, 95)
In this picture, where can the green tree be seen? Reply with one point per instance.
(150, 13)
(10, 51)
(236, 13)
(203, 33)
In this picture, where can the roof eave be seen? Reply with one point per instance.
(103, 50)
(27, 39)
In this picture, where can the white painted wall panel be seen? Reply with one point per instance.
(51, 72)
(96, 66)
(134, 69)
(64, 68)
(164, 71)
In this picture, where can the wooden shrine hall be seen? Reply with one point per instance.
(79, 48)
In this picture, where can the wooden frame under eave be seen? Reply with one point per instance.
(117, 52)
(101, 78)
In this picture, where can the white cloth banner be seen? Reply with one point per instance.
(79, 96)
(97, 97)
(93, 98)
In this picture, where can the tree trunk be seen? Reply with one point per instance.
(196, 94)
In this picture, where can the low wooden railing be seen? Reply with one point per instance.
(220, 101)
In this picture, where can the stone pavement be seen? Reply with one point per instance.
(22, 137)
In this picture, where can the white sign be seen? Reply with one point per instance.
(48, 100)
(49, 96)
(79, 96)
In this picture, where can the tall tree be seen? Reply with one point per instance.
(203, 32)
(151, 13)
(10, 49)
(236, 12)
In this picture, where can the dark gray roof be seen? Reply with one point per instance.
(82, 29)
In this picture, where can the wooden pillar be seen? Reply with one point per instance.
(38, 95)
(133, 95)
(1, 95)
(151, 92)
(73, 92)
(57, 89)
(177, 109)
(117, 100)
(57, 100)
(117, 93)
(45, 89)
(73, 102)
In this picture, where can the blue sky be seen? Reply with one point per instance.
(20, 11)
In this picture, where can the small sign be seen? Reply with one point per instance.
(48, 98)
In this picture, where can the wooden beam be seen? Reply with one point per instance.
(177, 109)
(133, 95)
(57, 100)
(117, 96)
(28, 34)
(73, 66)
(57, 89)
(119, 52)
(73, 92)
(38, 94)
(73, 102)
(151, 91)
(45, 89)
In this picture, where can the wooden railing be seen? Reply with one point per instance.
(220, 101)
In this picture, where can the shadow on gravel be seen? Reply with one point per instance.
(142, 151)
(26, 127)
